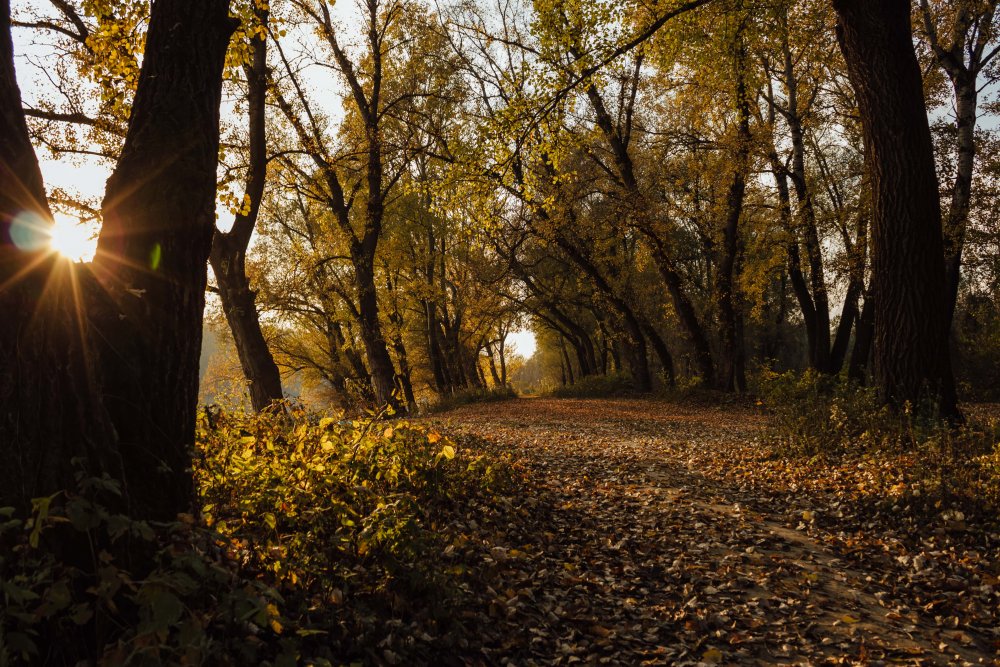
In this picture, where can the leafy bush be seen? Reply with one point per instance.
(813, 413)
(596, 386)
(826, 416)
(313, 533)
(74, 589)
(468, 397)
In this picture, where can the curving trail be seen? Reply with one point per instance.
(643, 536)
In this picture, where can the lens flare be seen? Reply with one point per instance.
(30, 231)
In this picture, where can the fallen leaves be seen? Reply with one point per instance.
(651, 533)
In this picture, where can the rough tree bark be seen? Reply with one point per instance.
(50, 409)
(908, 276)
(104, 366)
(159, 217)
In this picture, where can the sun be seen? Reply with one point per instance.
(72, 238)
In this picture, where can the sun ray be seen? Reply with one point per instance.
(74, 239)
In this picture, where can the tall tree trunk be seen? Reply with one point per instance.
(819, 344)
(50, 403)
(229, 249)
(159, 217)
(908, 276)
(661, 253)
(733, 354)
(966, 100)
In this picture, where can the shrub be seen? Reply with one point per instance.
(827, 416)
(74, 589)
(596, 386)
(468, 397)
(813, 413)
(311, 531)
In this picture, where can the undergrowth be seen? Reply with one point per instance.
(314, 538)
(833, 419)
(596, 386)
(468, 397)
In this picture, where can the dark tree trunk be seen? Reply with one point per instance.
(405, 383)
(661, 350)
(566, 361)
(434, 353)
(578, 336)
(497, 382)
(50, 407)
(849, 313)
(240, 308)
(638, 360)
(229, 249)
(434, 347)
(686, 314)
(966, 100)
(502, 349)
(908, 275)
(159, 217)
(383, 374)
(733, 370)
(864, 333)
(819, 342)
(115, 379)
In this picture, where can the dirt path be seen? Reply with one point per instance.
(631, 546)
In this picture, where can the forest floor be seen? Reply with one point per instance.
(649, 532)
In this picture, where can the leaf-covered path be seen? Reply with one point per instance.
(653, 533)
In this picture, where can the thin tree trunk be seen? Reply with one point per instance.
(228, 256)
(819, 348)
(966, 100)
(503, 359)
(569, 364)
(497, 382)
(733, 373)
(383, 373)
(661, 350)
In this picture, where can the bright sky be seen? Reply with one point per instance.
(524, 342)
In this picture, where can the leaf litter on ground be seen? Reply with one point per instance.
(646, 532)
